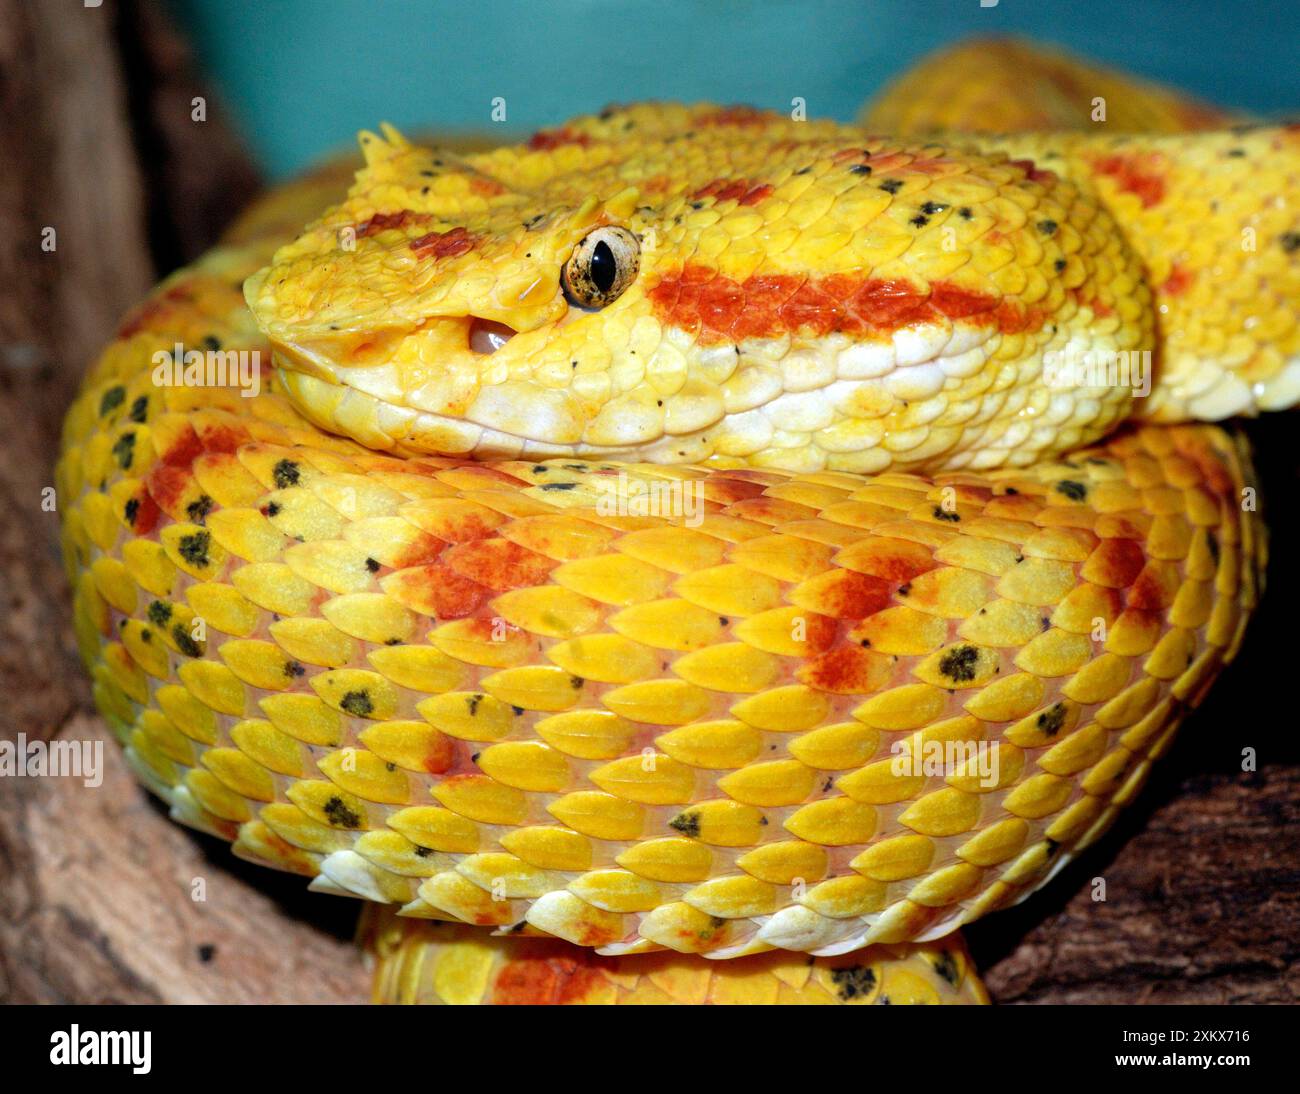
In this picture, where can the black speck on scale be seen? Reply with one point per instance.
(959, 664)
(286, 473)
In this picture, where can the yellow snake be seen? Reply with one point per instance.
(609, 520)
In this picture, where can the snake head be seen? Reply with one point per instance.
(497, 304)
(689, 283)
(427, 311)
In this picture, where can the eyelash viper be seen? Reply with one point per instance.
(402, 621)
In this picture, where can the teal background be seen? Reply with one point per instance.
(303, 75)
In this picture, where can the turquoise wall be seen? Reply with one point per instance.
(303, 75)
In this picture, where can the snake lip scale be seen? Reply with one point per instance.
(399, 617)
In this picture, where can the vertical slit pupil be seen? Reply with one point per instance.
(604, 267)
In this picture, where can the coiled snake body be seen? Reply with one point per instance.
(629, 514)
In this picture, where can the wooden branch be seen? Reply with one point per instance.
(1202, 906)
(70, 181)
(98, 906)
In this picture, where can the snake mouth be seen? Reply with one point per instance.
(469, 385)
(486, 336)
(365, 358)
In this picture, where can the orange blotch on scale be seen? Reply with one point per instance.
(142, 513)
(1180, 279)
(498, 564)
(167, 483)
(844, 594)
(771, 511)
(741, 191)
(382, 222)
(1099, 307)
(454, 520)
(1013, 319)
(1155, 587)
(790, 631)
(1137, 173)
(544, 140)
(546, 980)
(895, 560)
(436, 591)
(735, 115)
(1033, 172)
(847, 670)
(729, 488)
(448, 244)
(220, 437)
(185, 449)
(721, 309)
(1115, 563)
(418, 549)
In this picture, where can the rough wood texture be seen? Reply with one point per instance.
(99, 906)
(96, 885)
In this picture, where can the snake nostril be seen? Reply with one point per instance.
(488, 336)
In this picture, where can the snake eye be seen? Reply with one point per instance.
(602, 266)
